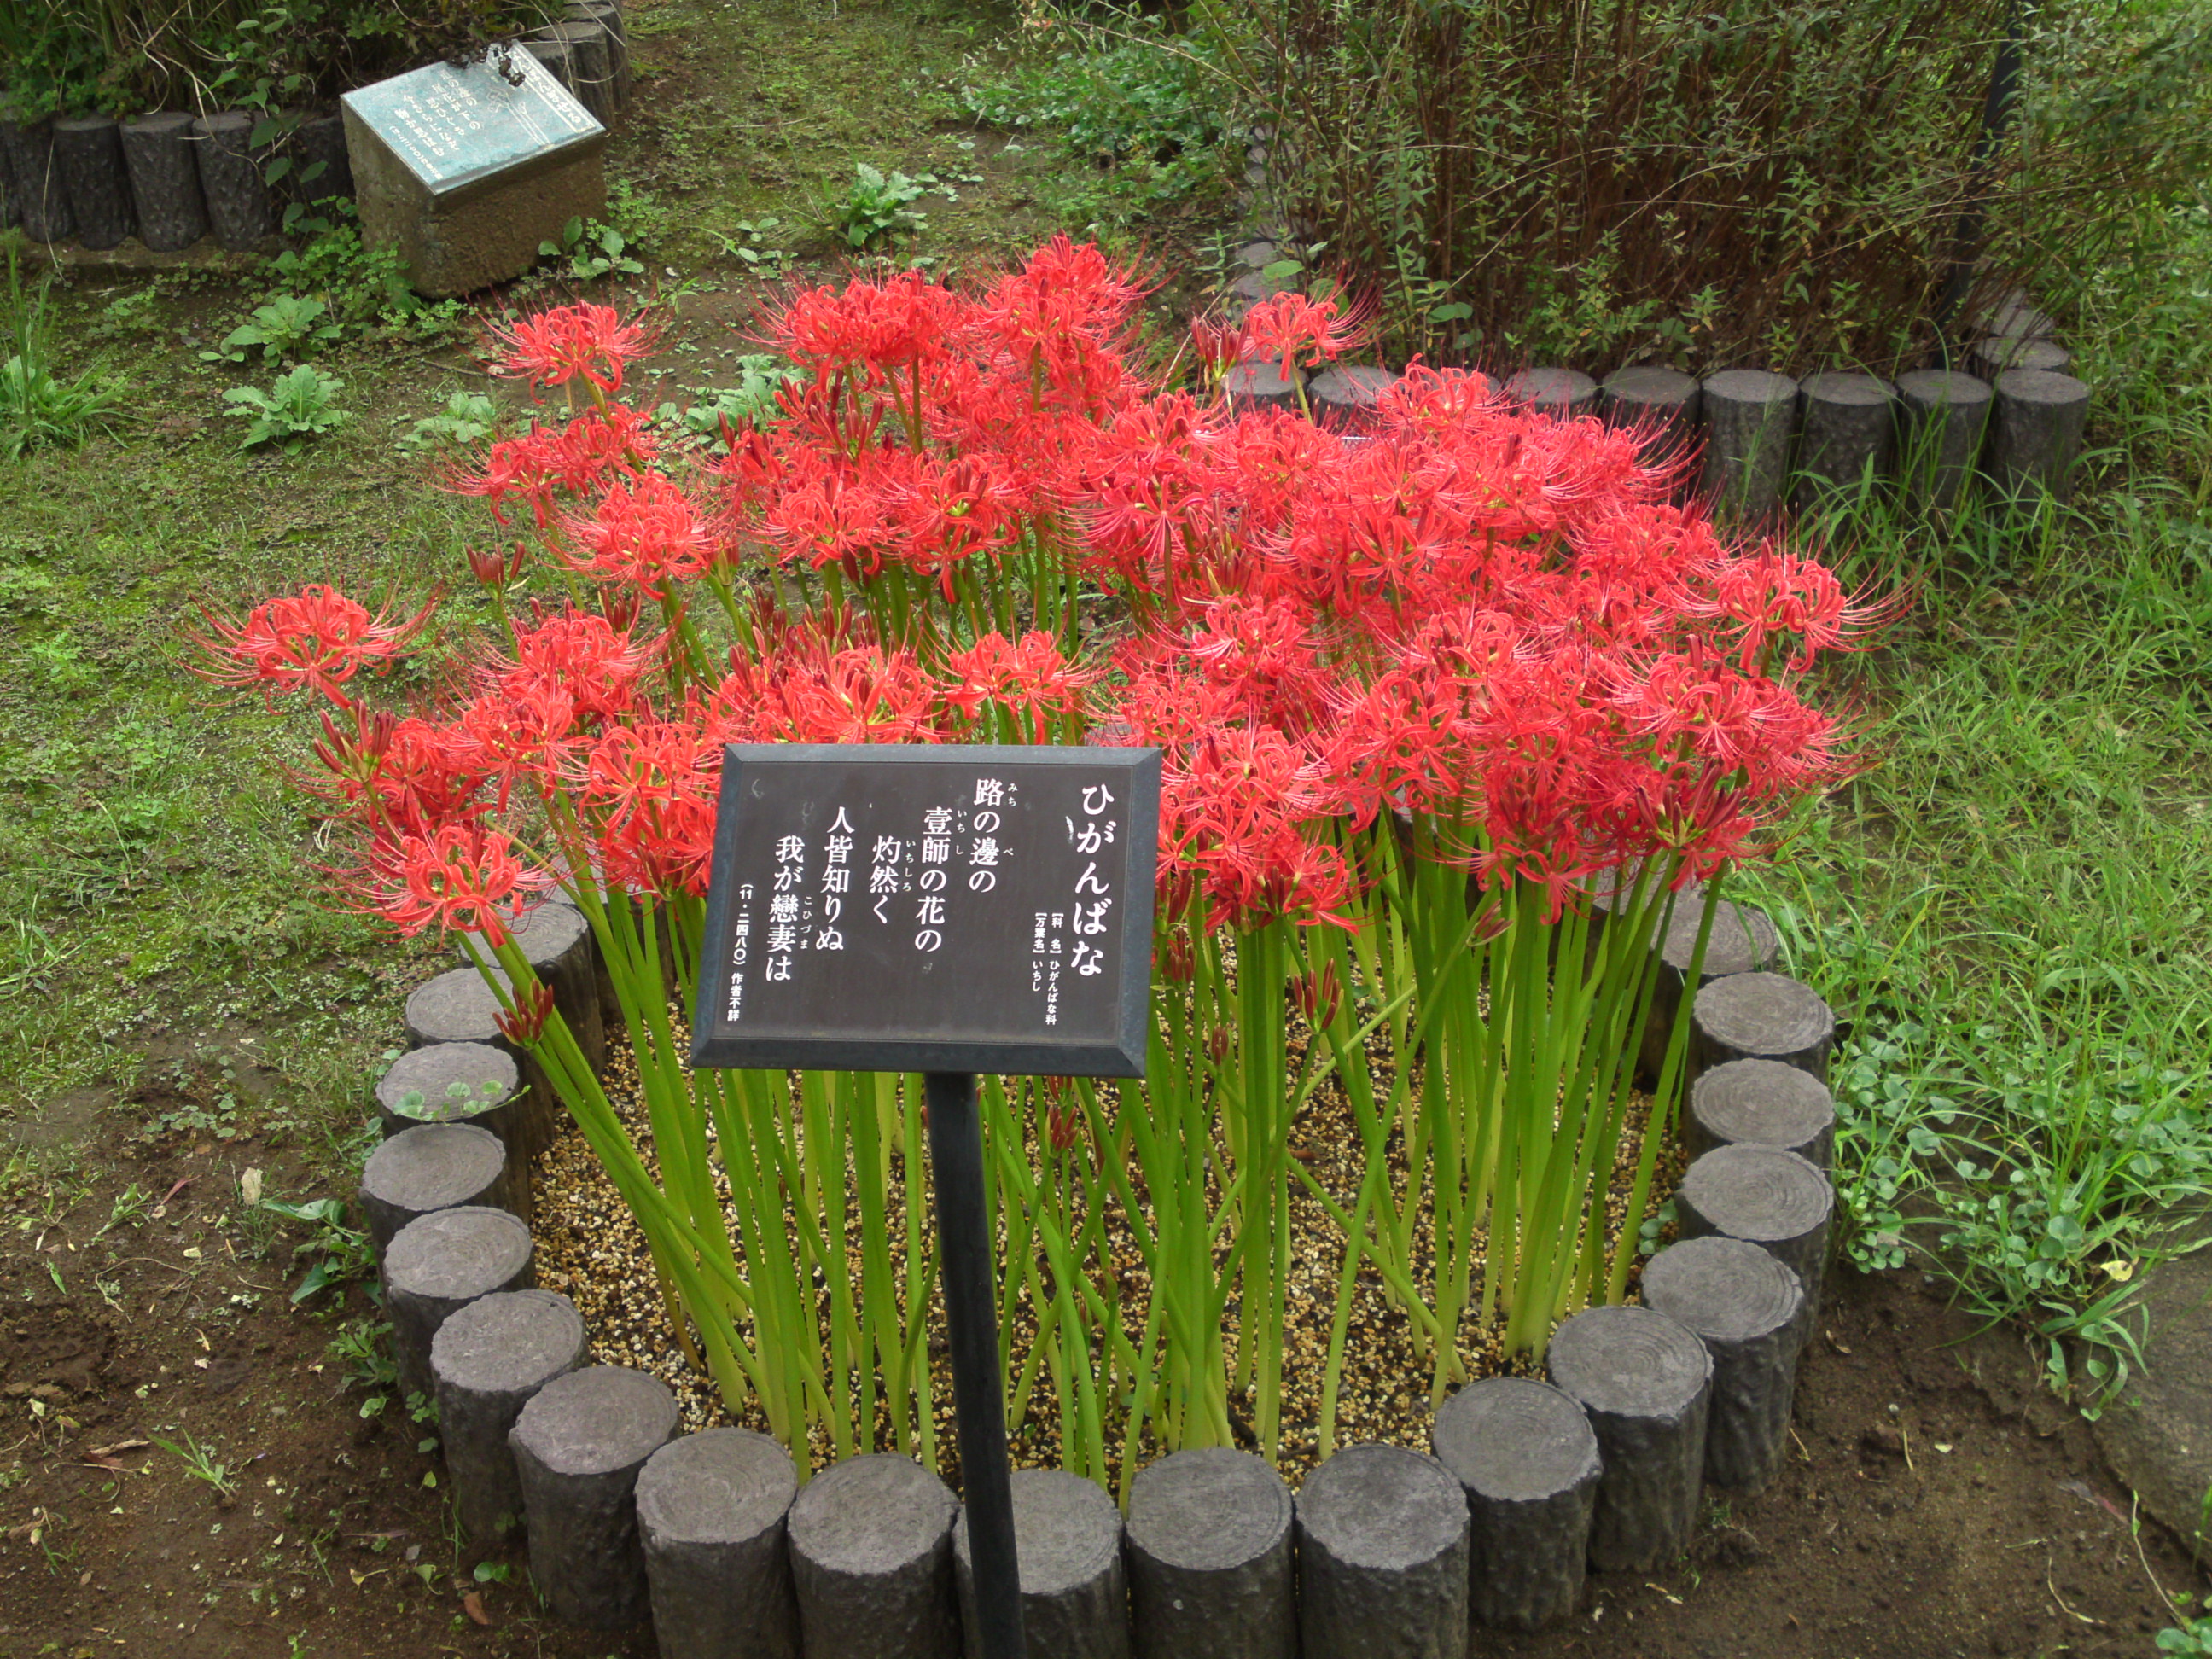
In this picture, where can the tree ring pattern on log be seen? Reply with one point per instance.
(457, 1255)
(1761, 1194)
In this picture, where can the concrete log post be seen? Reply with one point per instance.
(487, 1361)
(89, 155)
(608, 14)
(449, 1083)
(1562, 393)
(1647, 1385)
(2037, 432)
(1762, 1017)
(2013, 316)
(1942, 416)
(1766, 1104)
(1748, 1311)
(435, 1266)
(458, 1007)
(558, 57)
(1345, 393)
(870, 1542)
(711, 1510)
(1663, 405)
(1075, 1596)
(41, 199)
(1763, 1196)
(1527, 1457)
(579, 1446)
(1847, 426)
(1993, 356)
(1210, 1567)
(1255, 385)
(239, 205)
(431, 1167)
(1751, 424)
(320, 167)
(165, 181)
(592, 64)
(1382, 1558)
(1743, 941)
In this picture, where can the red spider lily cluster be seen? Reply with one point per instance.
(1008, 526)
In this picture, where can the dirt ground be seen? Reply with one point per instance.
(1938, 1502)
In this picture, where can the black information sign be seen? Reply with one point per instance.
(949, 911)
(925, 909)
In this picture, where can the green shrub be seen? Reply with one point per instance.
(1587, 180)
(300, 406)
(69, 56)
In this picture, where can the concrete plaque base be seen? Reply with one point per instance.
(463, 172)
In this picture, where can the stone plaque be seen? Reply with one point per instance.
(956, 909)
(457, 127)
(463, 172)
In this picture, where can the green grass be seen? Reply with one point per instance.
(2009, 904)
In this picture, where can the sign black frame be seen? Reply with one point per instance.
(1015, 1055)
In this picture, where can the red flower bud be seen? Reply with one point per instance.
(1060, 1127)
(525, 1023)
(1317, 996)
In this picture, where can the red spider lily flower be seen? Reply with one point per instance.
(616, 439)
(1769, 593)
(1063, 321)
(951, 511)
(425, 779)
(882, 327)
(808, 688)
(523, 469)
(1295, 331)
(584, 658)
(831, 511)
(653, 786)
(647, 532)
(524, 738)
(317, 638)
(1032, 680)
(1231, 805)
(461, 878)
(558, 346)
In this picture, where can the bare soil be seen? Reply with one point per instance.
(1937, 1504)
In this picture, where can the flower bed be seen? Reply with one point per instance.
(1453, 708)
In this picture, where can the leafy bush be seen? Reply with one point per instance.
(467, 417)
(591, 250)
(69, 56)
(287, 326)
(714, 410)
(298, 408)
(1588, 180)
(875, 208)
(1151, 110)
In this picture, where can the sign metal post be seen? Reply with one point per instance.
(947, 910)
